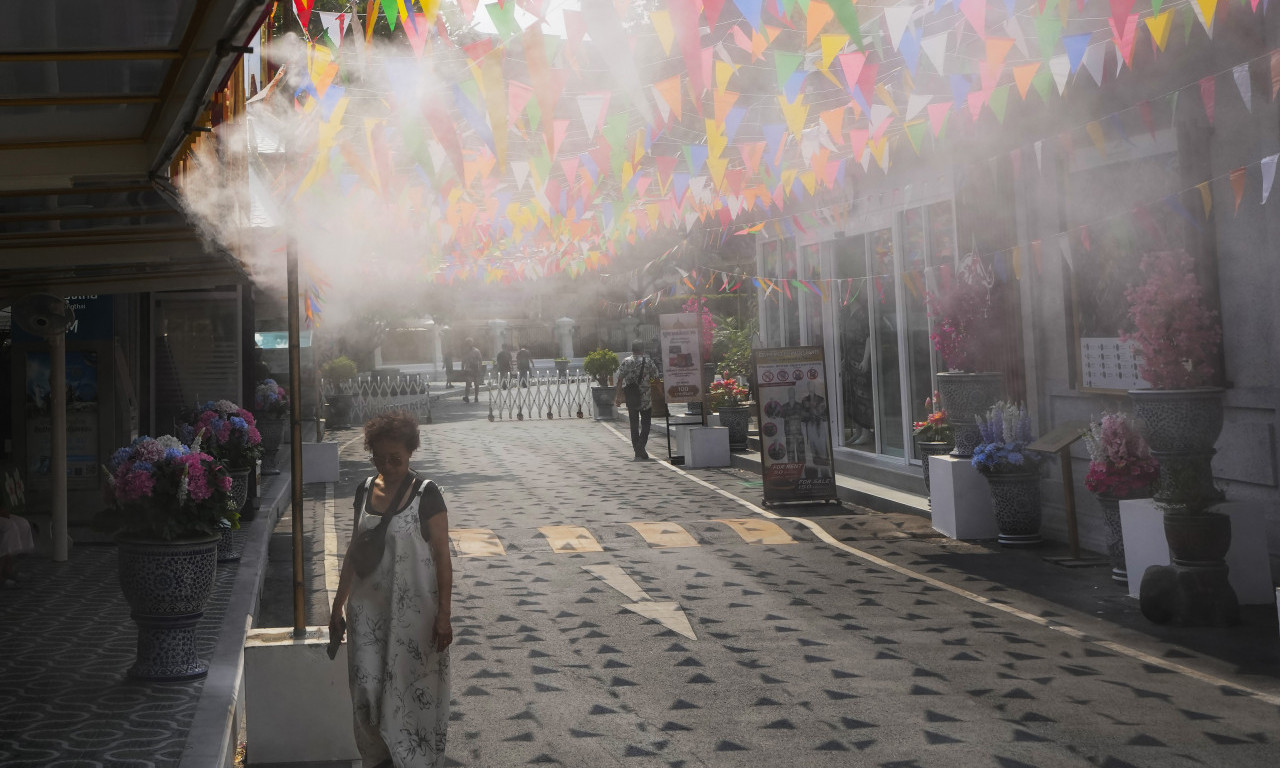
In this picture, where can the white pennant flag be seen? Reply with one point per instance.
(897, 19)
(1039, 155)
(1241, 74)
(334, 24)
(520, 169)
(1268, 175)
(593, 106)
(1060, 67)
(935, 47)
(1095, 60)
(1013, 29)
(915, 103)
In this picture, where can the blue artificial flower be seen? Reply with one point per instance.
(173, 454)
(239, 423)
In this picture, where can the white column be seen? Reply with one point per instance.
(437, 348)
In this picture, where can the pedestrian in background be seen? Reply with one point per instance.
(471, 362)
(524, 362)
(502, 363)
(635, 375)
(396, 587)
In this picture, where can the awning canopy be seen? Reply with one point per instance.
(96, 101)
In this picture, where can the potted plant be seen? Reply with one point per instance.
(601, 365)
(167, 504)
(1177, 339)
(935, 435)
(963, 329)
(338, 374)
(729, 398)
(1012, 472)
(1120, 467)
(271, 403)
(229, 433)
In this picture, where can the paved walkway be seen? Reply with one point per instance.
(609, 611)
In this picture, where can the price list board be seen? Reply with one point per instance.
(1109, 363)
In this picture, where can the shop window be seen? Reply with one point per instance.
(854, 347)
(196, 352)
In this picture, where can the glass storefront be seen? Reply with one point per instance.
(874, 326)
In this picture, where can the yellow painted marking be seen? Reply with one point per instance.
(476, 542)
(570, 538)
(664, 535)
(755, 531)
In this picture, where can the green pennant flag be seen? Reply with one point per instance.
(391, 13)
(1043, 82)
(504, 19)
(1155, 7)
(1048, 29)
(541, 164)
(1188, 22)
(915, 132)
(535, 114)
(786, 64)
(847, 15)
(999, 102)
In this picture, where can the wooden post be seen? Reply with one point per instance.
(1069, 501)
(295, 437)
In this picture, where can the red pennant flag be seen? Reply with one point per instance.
(1144, 109)
(1275, 73)
(1206, 95)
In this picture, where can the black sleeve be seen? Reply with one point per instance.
(430, 505)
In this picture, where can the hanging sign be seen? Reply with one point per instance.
(795, 428)
(681, 357)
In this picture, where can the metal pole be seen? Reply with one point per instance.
(295, 438)
(58, 441)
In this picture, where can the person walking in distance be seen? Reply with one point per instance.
(471, 362)
(635, 375)
(503, 365)
(395, 596)
(524, 363)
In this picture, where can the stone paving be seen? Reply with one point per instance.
(801, 653)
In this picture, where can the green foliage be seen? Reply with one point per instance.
(732, 347)
(600, 365)
(340, 368)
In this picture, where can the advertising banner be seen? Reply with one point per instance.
(82, 420)
(795, 431)
(682, 357)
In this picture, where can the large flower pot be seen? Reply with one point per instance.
(1015, 500)
(1181, 426)
(231, 543)
(929, 448)
(965, 396)
(736, 418)
(167, 584)
(1194, 590)
(272, 431)
(602, 399)
(1115, 536)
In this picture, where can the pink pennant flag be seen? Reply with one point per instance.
(938, 116)
(851, 64)
(975, 12)
(858, 142)
(1125, 41)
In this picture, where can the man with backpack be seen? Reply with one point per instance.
(635, 375)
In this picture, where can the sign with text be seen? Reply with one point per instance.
(795, 428)
(681, 357)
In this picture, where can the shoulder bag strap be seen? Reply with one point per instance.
(361, 490)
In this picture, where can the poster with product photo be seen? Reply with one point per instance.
(681, 357)
(795, 428)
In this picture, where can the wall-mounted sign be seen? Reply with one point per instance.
(1109, 363)
(795, 428)
(681, 357)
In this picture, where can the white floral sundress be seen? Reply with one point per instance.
(399, 683)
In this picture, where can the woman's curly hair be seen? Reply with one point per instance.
(400, 426)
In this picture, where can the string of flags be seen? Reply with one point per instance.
(522, 165)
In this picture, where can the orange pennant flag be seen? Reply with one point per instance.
(819, 14)
(834, 120)
(669, 90)
(1237, 186)
(1023, 76)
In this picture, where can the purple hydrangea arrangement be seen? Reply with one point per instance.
(1006, 433)
(159, 488)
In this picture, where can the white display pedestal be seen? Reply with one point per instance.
(297, 701)
(1249, 569)
(960, 499)
(705, 446)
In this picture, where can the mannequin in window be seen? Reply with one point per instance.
(855, 357)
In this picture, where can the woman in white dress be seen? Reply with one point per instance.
(395, 586)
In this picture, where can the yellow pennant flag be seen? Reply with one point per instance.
(724, 71)
(1205, 11)
(1159, 27)
(794, 113)
(809, 179)
(880, 151)
(666, 32)
(1094, 129)
(1206, 197)
(884, 95)
(717, 166)
(716, 140)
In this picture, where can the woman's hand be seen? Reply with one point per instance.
(337, 624)
(442, 632)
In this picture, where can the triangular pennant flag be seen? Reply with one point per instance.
(935, 49)
(1022, 76)
(1206, 198)
(847, 14)
(819, 14)
(1014, 29)
(785, 65)
(751, 154)
(851, 64)
(1095, 60)
(1048, 32)
(831, 45)
(1237, 185)
(794, 113)
(975, 12)
(1159, 26)
(1060, 68)
(1268, 175)
(1207, 88)
(669, 93)
(1275, 73)
(896, 19)
(593, 107)
(1241, 75)
(915, 133)
(833, 119)
(750, 10)
(662, 25)
(1125, 40)
(1076, 45)
(938, 116)
(999, 101)
(1205, 11)
(915, 103)
(1120, 11)
(1094, 129)
(504, 19)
